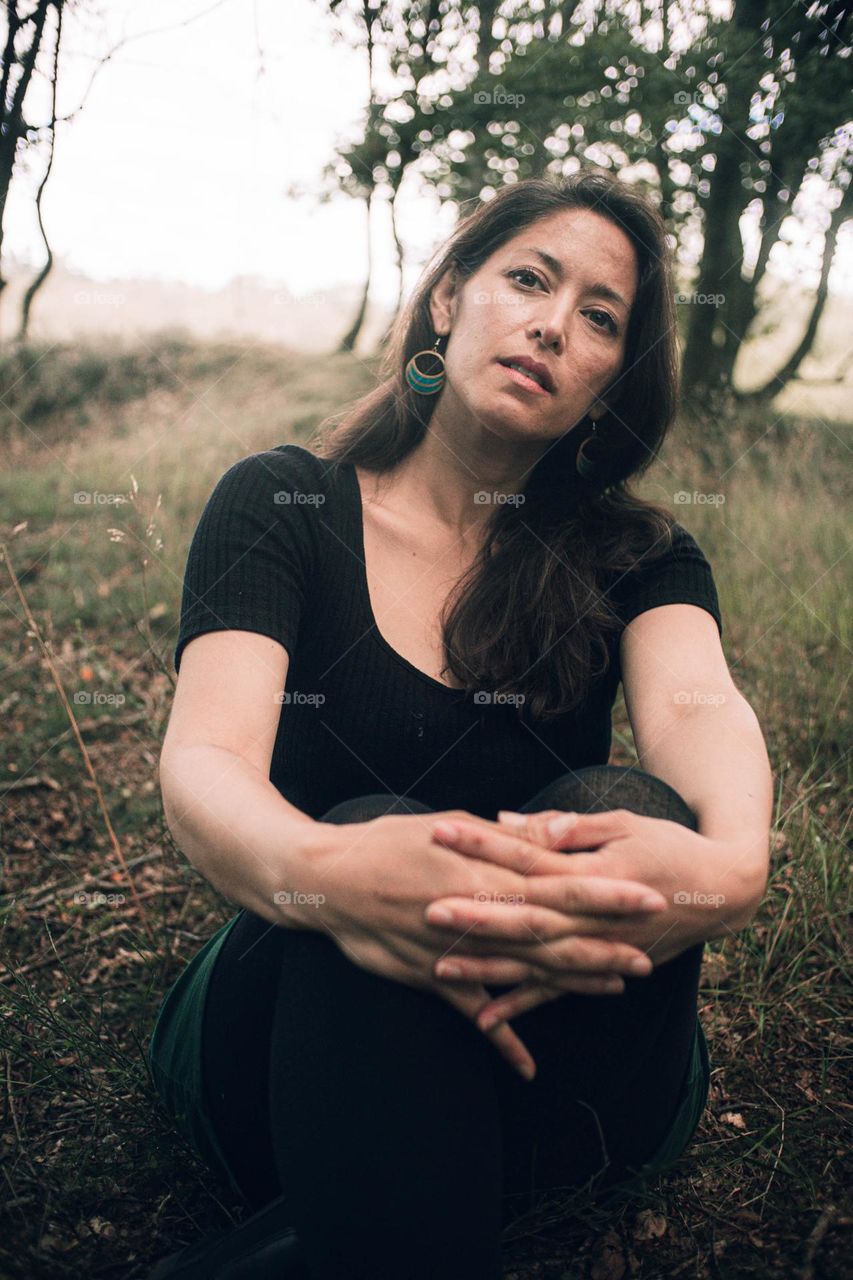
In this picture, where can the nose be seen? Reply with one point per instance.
(550, 335)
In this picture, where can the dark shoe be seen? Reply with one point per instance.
(260, 1248)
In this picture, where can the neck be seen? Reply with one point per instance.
(446, 478)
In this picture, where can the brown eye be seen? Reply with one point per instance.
(524, 271)
(610, 323)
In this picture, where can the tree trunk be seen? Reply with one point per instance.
(713, 334)
(13, 125)
(45, 271)
(779, 380)
(705, 361)
(350, 338)
(398, 248)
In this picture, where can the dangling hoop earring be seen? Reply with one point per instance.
(586, 466)
(426, 384)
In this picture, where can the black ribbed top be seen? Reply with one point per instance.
(279, 550)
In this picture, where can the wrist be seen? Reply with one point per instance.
(300, 890)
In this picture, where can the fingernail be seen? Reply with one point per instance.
(440, 915)
(511, 818)
(445, 830)
(489, 1020)
(652, 903)
(561, 826)
(446, 969)
(639, 966)
(527, 1070)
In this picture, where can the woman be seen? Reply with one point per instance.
(427, 618)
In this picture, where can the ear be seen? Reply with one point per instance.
(443, 301)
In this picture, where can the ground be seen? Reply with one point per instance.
(101, 910)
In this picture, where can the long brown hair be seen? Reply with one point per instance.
(530, 616)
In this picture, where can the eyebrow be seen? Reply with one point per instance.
(600, 288)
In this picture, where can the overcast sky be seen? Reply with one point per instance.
(177, 164)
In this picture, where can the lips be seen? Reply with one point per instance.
(535, 367)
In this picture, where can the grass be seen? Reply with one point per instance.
(97, 1180)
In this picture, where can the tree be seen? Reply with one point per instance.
(24, 36)
(718, 117)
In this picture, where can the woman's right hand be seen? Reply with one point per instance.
(379, 876)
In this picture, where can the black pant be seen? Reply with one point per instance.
(391, 1126)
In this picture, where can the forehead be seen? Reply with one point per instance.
(586, 243)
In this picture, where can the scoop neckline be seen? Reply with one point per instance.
(364, 590)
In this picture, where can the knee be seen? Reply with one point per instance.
(376, 805)
(599, 788)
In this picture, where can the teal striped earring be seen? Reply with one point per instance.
(426, 384)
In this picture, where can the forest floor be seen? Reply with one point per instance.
(100, 910)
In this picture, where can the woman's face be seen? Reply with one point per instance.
(570, 315)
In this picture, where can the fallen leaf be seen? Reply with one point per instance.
(649, 1225)
(609, 1263)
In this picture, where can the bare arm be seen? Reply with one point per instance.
(227, 817)
(694, 729)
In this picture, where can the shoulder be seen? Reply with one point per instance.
(292, 464)
(672, 570)
(287, 482)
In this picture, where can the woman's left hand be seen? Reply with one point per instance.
(665, 855)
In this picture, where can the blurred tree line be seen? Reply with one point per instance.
(721, 112)
(724, 112)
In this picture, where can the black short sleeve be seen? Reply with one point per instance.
(252, 553)
(681, 576)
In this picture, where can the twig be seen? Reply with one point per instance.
(50, 892)
(40, 780)
(815, 1240)
(13, 1113)
(86, 760)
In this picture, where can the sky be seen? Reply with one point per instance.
(178, 164)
